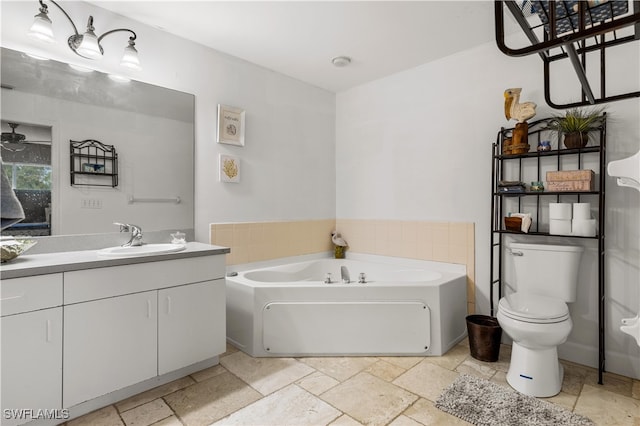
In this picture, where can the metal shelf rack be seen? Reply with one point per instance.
(539, 131)
(95, 161)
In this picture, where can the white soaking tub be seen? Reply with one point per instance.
(405, 307)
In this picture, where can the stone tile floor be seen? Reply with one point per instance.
(340, 391)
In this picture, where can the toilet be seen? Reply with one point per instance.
(536, 315)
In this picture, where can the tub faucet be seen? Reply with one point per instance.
(344, 272)
(136, 234)
(327, 279)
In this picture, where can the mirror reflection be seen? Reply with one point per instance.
(26, 162)
(152, 128)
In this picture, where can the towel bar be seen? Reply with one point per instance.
(133, 199)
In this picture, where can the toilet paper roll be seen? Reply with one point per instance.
(560, 226)
(583, 227)
(560, 211)
(582, 211)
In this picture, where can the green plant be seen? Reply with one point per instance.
(577, 120)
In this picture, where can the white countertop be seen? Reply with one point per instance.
(50, 263)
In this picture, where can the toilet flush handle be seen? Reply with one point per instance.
(516, 253)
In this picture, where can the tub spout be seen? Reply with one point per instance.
(344, 272)
(327, 279)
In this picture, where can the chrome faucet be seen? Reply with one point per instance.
(344, 273)
(136, 234)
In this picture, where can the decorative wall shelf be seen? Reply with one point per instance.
(596, 154)
(93, 164)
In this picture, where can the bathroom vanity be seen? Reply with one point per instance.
(80, 331)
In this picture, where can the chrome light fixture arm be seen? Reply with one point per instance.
(132, 38)
(45, 11)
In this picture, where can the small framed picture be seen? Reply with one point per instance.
(230, 125)
(229, 168)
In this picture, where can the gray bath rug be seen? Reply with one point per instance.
(485, 403)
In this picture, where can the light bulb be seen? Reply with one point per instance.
(41, 28)
(89, 47)
(130, 57)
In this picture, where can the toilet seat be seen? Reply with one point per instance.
(533, 308)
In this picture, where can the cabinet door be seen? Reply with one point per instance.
(191, 324)
(109, 344)
(31, 362)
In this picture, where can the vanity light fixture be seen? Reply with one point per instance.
(86, 45)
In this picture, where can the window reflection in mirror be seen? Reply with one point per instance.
(26, 161)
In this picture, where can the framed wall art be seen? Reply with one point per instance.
(230, 128)
(229, 168)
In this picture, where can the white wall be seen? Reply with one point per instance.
(417, 146)
(288, 162)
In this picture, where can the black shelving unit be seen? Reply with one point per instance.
(97, 162)
(595, 152)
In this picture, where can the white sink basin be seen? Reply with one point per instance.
(143, 250)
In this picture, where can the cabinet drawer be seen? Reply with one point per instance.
(30, 293)
(91, 284)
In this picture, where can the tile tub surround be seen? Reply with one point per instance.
(259, 241)
(348, 391)
(452, 242)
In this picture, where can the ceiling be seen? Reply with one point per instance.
(300, 38)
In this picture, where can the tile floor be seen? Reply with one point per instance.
(341, 391)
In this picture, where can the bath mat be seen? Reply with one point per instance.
(482, 402)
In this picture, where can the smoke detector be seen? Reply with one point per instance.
(341, 61)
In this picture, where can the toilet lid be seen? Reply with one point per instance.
(533, 308)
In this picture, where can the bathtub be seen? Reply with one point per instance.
(405, 307)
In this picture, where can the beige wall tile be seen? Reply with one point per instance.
(458, 233)
(241, 234)
(440, 232)
(440, 253)
(458, 254)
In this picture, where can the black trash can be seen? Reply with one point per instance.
(484, 337)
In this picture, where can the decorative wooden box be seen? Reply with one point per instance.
(570, 180)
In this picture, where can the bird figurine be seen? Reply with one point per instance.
(339, 245)
(515, 110)
(337, 240)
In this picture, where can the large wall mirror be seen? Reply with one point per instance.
(151, 128)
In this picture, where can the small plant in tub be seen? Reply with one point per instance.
(576, 124)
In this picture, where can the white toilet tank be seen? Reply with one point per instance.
(545, 269)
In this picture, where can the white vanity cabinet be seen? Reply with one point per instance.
(31, 335)
(109, 344)
(187, 326)
(125, 324)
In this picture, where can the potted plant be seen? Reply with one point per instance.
(576, 124)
